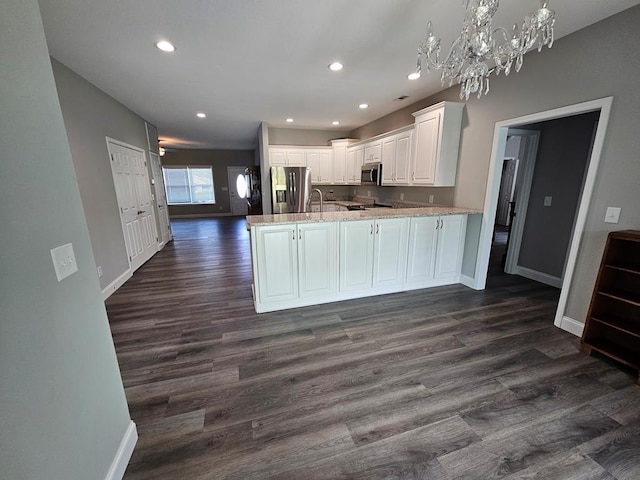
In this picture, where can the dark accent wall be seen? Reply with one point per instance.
(219, 160)
(563, 155)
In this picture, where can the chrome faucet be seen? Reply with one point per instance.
(319, 193)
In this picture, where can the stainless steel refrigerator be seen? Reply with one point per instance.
(290, 189)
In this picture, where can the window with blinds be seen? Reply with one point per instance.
(189, 185)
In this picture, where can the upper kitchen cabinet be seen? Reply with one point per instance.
(355, 159)
(373, 151)
(322, 167)
(287, 157)
(346, 162)
(396, 158)
(437, 141)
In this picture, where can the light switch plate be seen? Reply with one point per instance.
(64, 261)
(402, 196)
(547, 201)
(613, 215)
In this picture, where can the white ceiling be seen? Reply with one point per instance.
(246, 61)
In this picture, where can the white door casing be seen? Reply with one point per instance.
(491, 197)
(238, 202)
(133, 191)
(161, 200)
(524, 180)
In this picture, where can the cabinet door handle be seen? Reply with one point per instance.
(372, 229)
(377, 229)
(441, 224)
(294, 234)
(437, 224)
(300, 235)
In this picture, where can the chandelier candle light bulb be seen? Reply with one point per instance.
(480, 50)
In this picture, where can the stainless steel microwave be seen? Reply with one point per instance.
(371, 174)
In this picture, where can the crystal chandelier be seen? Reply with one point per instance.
(480, 50)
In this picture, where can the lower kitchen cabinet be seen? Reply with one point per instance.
(293, 262)
(373, 253)
(309, 263)
(317, 259)
(435, 250)
(276, 257)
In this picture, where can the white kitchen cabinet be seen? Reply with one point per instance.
(287, 157)
(356, 255)
(339, 161)
(437, 141)
(450, 246)
(373, 151)
(317, 259)
(294, 261)
(355, 158)
(373, 254)
(390, 251)
(277, 262)
(435, 249)
(396, 158)
(321, 163)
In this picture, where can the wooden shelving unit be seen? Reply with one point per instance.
(613, 322)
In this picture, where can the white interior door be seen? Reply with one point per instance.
(237, 191)
(161, 200)
(134, 199)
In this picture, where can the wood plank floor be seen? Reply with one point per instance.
(446, 383)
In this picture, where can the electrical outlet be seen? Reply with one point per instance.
(64, 261)
(547, 201)
(402, 196)
(99, 269)
(430, 198)
(612, 215)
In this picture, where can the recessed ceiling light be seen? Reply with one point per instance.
(165, 46)
(201, 115)
(335, 122)
(289, 120)
(335, 67)
(363, 106)
(413, 76)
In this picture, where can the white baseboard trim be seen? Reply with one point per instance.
(538, 276)
(201, 215)
(123, 455)
(468, 281)
(572, 326)
(116, 284)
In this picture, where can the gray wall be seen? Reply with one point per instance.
(563, 154)
(598, 61)
(219, 160)
(298, 136)
(90, 115)
(63, 410)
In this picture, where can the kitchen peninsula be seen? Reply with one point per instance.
(306, 259)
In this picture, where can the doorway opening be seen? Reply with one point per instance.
(501, 134)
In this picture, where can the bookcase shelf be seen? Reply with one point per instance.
(613, 322)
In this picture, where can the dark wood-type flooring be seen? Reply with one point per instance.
(446, 383)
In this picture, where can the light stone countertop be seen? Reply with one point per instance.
(368, 214)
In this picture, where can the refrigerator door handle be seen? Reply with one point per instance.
(290, 189)
(295, 191)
